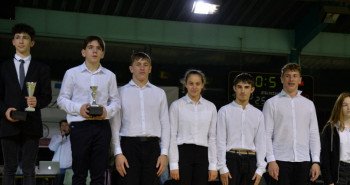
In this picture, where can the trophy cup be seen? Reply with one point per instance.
(30, 89)
(94, 109)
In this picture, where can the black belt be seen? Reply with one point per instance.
(139, 139)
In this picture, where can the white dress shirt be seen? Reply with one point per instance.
(239, 128)
(345, 145)
(192, 123)
(25, 65)
(144, 112)
(75, 91)
(291, 129)
(62, 148)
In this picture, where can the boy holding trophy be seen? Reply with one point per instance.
(90, 97)
(25, 88)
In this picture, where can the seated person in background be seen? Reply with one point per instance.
(60, 144)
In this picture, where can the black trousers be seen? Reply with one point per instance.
(142, 154)
(344, 173)
(90, 142)
(242, 168)
(193, 165)
(11, 146)
(292, 173)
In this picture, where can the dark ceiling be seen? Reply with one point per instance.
(280, 14)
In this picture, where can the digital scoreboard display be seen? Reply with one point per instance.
(268, 85)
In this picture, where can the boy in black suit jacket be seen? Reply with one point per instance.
(15, 134)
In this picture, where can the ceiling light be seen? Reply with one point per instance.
(206, 6)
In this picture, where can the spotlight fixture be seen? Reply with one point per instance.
(330, 14)
(206, 6)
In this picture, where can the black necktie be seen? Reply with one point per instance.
(21, 73)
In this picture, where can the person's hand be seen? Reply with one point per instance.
(161, 164)
(225, 178)
(273, 170)
(257, 179)
(212, 175)
(63, 132)
(31, 101)
(175, 174)
(120, 163)
(83, 110)
(315, 172)
(104, 114)
(331, 184)
(8, 114)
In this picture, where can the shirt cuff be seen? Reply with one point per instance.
(164, 151)
(110, 113)
(118, 150)
(260, 171)
(212, 166)
(270, 158)
(315, 159)
(174, 166)
(77, 108)
(223, 170)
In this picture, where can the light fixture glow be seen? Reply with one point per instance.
(200, 7)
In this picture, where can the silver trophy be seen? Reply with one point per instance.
(30, 89)
(94, 109)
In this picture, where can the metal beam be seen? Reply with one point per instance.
(118, 7)
(246, 11)
(91, 6)
(233, 11)
(49, 4)
(77, 6)
(105, 7)
(132, 8)
(308, 28)
(145, 8)
(159, 8)
(258, 12)
(63, 5)
(171, 9)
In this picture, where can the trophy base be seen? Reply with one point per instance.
(18, 115)
(95, 111)
(30, 109)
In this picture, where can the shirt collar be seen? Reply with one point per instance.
(132, 83)
(83, 67)
(235, 104)
(283, 93)
(26, 59)
(189, 100)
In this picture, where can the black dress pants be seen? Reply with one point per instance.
(242, 168)
(344, 173)
(292, 173)
(10, 147)
(193, 165)
(90, 142)
(142, 154)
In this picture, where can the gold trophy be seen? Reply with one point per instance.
(94, 109)
(30, 89)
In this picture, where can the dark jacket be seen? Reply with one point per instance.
(330, 155)
(11, 95)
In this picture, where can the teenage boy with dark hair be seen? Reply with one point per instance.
(90, 135)
(241, 141)
(16, 134)
(292, 134)
(144, 121)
